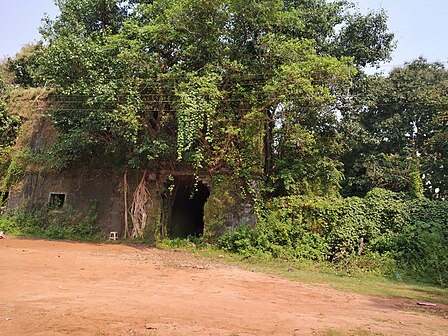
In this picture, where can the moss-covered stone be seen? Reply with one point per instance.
(227, 207)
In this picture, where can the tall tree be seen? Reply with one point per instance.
(22, 69)
(251, 85)
(403, 121)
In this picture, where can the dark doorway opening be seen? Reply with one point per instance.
(187, 211)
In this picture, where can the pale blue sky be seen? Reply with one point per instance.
(421, 27)
(19, 23)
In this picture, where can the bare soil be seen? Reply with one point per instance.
(60, 288)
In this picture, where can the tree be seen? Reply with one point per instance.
(402, 121)
(243, 85)
(366, 39)
(21, 70)
(9, 127)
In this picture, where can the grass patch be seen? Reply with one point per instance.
(323, 273)
(359, 282)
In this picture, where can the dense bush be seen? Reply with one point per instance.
(384, 232)
(422, 247)
(51, 224)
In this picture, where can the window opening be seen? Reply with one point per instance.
(4, 198)
(56, 200)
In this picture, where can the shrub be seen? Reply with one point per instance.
(241, 240)
(422, 247)
(47, 223)
(382, 233)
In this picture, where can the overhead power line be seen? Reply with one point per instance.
(401, 65)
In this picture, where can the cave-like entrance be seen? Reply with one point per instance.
(187, 210)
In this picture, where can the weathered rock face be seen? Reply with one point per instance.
(229, 205)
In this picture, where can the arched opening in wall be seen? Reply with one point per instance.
(187, 210)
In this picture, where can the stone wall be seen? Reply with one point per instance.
(103, 191)
(97, 191)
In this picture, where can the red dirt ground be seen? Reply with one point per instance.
(60, 288)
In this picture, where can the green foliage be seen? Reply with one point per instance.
(301, 167)
(356, 38)
(217, 84)
(386, 232)
(275, 237)
(22, 70)
(216, 209)
(9, 127)
(189, 242)
(422, 247)
(198, 99)
(16, 168)
(416, 184)
(253, 86)
(52, 224)
(400, 131)
(221, 205)
(241, 240)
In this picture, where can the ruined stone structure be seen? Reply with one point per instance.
(180, 202)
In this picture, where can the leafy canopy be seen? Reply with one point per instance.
(400, 130)
(251, 85)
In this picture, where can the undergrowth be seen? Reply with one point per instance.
(385, 233)
(66, 224)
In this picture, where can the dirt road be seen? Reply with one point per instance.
(59, 288)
